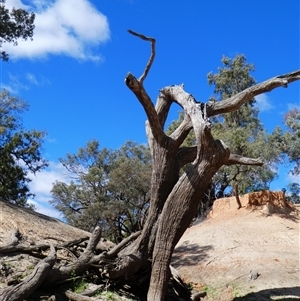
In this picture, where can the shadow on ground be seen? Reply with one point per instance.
(189, 254)
(282, 294)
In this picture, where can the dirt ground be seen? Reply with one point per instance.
(215, 255)
(245, 254)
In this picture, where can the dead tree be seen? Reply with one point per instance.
(174, 196)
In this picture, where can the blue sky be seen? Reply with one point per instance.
(72, 73)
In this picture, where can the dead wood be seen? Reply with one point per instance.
(31, 282)
(236, 193)
(14, 240)
(85, 260)
(76, 297)
(34, 250)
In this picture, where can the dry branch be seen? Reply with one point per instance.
(34, 250)
(152, 55)
(32, 281)
(235, 102)
(77, 297)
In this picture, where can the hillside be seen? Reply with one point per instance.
(218, 253)
(215, 255)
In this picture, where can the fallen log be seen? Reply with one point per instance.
(30, 283)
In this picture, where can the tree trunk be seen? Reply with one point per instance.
(174, 200)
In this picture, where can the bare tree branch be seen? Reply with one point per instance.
(152, 55)
(114, 251)
(182, 130)
(135, 86)
(237, 159)
(235, 102)
(162, 107)
(31, 282)
(188, 154)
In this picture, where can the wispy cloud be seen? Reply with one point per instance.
(14, 84)
(46, 209)
(292, 106)
(37, 80)
(62, 27)
(32, 79)
(263, 103)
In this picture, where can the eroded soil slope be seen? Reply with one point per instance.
(251, 252)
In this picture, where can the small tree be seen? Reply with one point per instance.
(15, 24)
(241, 129)
(107, 188)
(20, 151)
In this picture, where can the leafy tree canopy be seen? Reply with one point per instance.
(241, 130)
(106, 188)
(20, 151)
(294, 193)
(292, 136)
(15, 24)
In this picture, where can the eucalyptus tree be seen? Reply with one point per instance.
(292, 138)
(15, 24)
(20, 151)
(105, 188)
(241, 129)
(174, 196)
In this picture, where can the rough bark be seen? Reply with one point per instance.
(32, 281)
(174, 199)
(236, 194)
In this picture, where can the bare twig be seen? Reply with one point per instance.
(152, 55)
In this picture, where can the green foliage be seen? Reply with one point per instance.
(20, 151)
(292, 138)
(79, 285)
(241, 130)
(15, 24)
(293, 194)
(106, 188)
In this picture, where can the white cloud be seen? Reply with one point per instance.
(263, 103)
(42, 182)
(62, 27)
(293, 178)
(41, 185)
(47, 210)
(37, 80)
